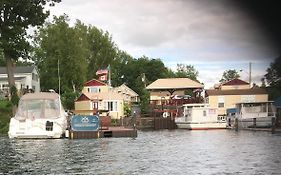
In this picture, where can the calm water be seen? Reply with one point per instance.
(152, 152)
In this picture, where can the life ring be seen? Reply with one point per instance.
(165, 114)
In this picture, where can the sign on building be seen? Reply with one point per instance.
(248, 98)
(85, 123)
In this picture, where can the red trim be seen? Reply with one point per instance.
(94, 82)
(83, 97)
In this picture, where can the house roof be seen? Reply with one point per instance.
(18, 69)
(94, 82)
(100, 96)
(127, 89)
(235, 82)
(5, 79)
(253, 91)
(174, 83)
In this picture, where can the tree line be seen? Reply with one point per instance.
(79, 51)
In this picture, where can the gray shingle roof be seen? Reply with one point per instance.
(16, 78)
(18, 69)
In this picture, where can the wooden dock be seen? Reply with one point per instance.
(109, 132)
(156, 123)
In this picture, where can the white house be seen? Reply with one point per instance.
(26, 77)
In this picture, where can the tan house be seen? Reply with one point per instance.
(165, 89)
(227, 94)
(128, 94)
(97, 95)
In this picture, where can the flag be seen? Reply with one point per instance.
(103, 77)
(102, 71)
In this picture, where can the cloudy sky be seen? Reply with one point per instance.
(211, 35)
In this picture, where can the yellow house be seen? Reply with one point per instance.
(97, 95)
(105, 101)
(234, 91)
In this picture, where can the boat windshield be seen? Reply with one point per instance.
(35, 109)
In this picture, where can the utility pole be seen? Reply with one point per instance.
(59, 74)
(109, 75)
(250, 73)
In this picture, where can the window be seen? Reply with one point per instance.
(93, 89)
(110, 105)
(34, 77)
(5, 86)
(95, 105)
(221, 101)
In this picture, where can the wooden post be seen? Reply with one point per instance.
(236, 124)
(254, 122)
(273, 125)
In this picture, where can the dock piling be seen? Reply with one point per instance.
(273, 122)
(236, 124)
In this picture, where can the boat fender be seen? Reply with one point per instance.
(165, 114)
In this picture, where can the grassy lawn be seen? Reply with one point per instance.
(5, 114)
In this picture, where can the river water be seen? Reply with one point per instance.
(152, 152)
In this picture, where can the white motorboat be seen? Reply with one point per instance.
(255, 114)
(199, 117)
(39, 115)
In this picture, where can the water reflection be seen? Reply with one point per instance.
(153, 152)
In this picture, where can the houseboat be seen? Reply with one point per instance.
(39, 115)
(255, 114)
(199, 117)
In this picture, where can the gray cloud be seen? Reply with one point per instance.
(182, 31)
(214, 29)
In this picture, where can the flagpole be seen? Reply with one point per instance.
(109, 75)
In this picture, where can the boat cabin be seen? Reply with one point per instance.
(199, 111)
(255, 109)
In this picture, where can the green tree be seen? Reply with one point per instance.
(137, 73)
(102, 50)
(119, 67)
(15, 18)
(2, 60)
(273, 75)
(186, 71)
(63, 47)
(229, 75)
(273, 78)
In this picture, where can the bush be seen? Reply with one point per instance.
(68, 99)
(5, 114)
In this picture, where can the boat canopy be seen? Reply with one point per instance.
(39, 106)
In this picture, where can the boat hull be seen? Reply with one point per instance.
(37, 129)
(262, 122)
(201, 126)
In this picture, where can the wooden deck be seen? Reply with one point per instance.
(105, 133)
